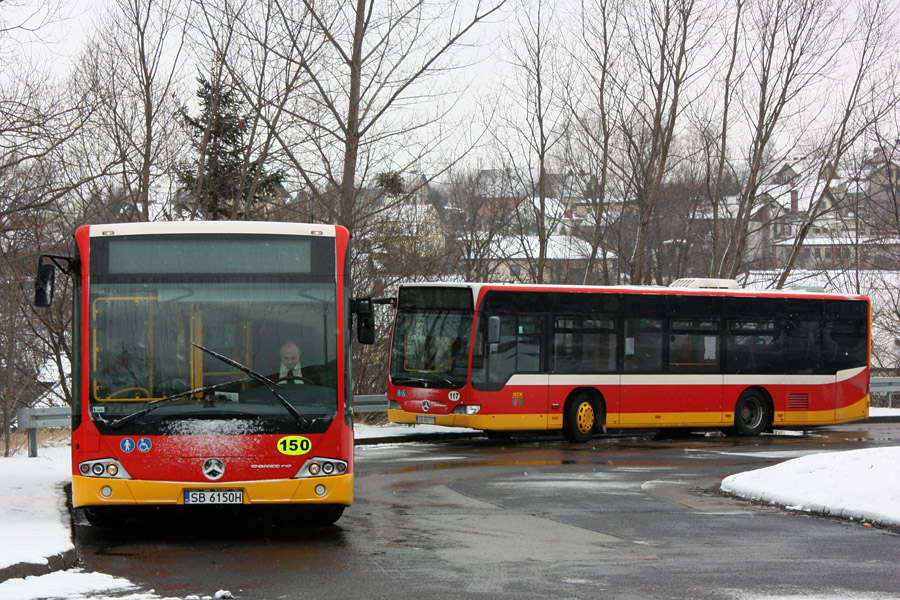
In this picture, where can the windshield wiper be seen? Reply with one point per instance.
(425, 382)
(151, 406)
(270, 385)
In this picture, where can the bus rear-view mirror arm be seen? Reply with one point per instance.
(45, 281)
(364, 310)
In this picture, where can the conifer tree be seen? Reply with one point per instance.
(217, 184)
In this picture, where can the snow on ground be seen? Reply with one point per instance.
(73, 584)
(857, 484)
(33, 507)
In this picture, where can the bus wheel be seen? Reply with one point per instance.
(100, 516)
(751, 414)
(579, 419)
(324, 515)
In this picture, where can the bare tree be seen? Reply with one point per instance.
(787, 50)
(867, 98)
(132, 69)
(533, 124)
(595, 107)
(374, 60)
(717, 141)
(478, 218)
(665, 39)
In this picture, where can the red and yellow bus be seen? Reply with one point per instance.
(542, 357)
(181, 397)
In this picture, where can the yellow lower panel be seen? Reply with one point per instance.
(86, 491)
(675, 419)
(857, 411)
(486, 422)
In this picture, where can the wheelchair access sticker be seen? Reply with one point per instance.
(128, 445)
(294, 445)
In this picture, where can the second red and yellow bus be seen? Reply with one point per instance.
(578, 359)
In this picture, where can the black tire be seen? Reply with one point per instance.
(579, 419)
(100, 516)
(325, 515)
(751, 414)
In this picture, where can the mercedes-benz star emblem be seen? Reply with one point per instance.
(425, 405)
(214, 468)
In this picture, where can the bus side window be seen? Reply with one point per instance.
(643, 345)
(753, 346)
(694, 346)
(518, 351)
(843, 345)
(501, 360)
(528, 343)
(802, 346)
(584, 345)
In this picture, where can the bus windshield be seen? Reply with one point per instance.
(431, 338)
(147, 343)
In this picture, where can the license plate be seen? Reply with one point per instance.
(423, 420)
(221, 496)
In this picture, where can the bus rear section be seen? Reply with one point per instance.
(516, 357)
(183, 332)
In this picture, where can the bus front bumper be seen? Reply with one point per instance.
(98, 491)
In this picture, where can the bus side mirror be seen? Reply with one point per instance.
(44, 284)
(365, 328)
(365, 320)
(364, 310)
(493, 332)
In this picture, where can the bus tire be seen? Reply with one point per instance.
(751, 414)
(324, 515)
(100, 516)
(579, 418)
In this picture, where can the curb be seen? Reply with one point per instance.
(57, 562)
(882, 420)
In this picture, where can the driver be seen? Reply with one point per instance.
(290, 364)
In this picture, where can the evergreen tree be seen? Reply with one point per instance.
(214, 182)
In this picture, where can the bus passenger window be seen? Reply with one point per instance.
(802, 346)
(643, 345)
(844, 345)
(584, 345)
(528, 354)
(754, 346)
(694, 346)
(518, 351)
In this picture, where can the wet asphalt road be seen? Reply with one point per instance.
(531, 517)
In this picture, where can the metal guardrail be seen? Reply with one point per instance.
(375, 403)
(885, 384)
(32, 419)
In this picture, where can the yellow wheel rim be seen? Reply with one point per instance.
(585, 417)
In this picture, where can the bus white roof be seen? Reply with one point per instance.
(227, 227)
(650, 289)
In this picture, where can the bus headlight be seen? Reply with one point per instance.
(320, 467)
(467, 409)
(108, 468)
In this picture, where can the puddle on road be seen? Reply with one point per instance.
(618, 449)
